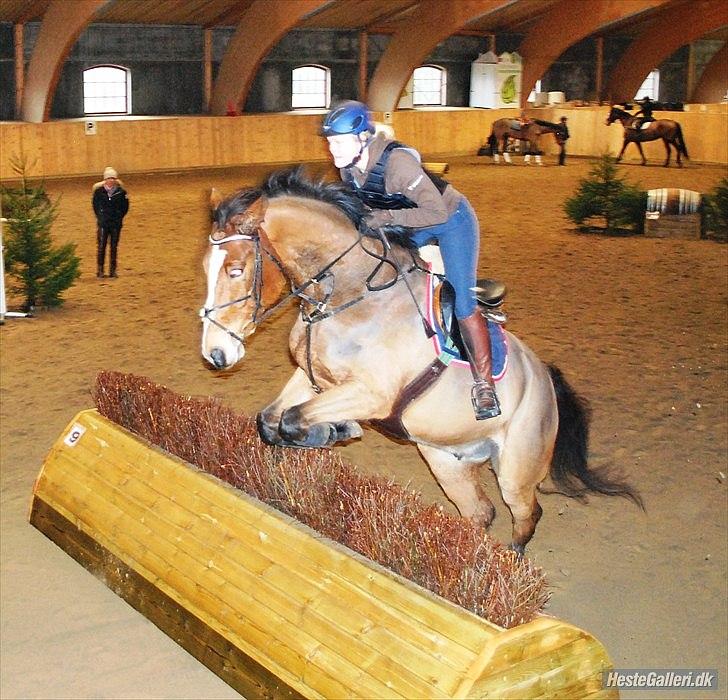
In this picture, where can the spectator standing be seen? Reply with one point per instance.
(110, 204)
(563, 138)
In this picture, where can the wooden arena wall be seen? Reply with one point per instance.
(62, 148)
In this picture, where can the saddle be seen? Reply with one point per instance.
(490, 294)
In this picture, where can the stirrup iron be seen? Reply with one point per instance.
(477, 391)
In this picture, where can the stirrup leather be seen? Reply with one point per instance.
(484, 400)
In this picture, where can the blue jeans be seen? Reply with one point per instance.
(459, 241)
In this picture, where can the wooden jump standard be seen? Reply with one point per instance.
(270, 606)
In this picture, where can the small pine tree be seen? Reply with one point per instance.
(607, 196)
(40, 271)
(716, 211)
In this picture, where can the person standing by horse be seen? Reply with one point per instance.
(563, 138)
(388, 177)
(110, 204)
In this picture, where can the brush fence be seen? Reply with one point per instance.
(268, 605)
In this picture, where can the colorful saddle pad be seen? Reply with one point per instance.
(446, 348)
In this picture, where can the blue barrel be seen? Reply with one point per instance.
(672, 200)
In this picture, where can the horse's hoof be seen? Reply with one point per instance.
(268, 433)
(519, 549)
(347, 430)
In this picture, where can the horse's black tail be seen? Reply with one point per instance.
(681, 142)
(493, 143)
(569, 470)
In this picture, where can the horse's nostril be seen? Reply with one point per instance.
(218, 358)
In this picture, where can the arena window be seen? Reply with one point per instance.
(430, 86)
(107, 90)
(311, 87)
(651, 87)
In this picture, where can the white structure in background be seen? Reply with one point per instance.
(651, 87)
(495, 81)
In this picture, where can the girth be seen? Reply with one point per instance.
(392, 425)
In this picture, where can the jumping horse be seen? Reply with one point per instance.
(505, 129)
(668, 130)
(363, 356)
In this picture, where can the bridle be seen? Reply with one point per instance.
(319, 307)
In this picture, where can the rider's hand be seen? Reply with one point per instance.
(378, 218)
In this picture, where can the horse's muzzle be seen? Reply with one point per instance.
(218, 358)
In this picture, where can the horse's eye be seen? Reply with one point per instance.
(235, 272)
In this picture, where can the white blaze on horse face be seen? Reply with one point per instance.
(214, 338)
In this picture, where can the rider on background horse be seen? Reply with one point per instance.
(388, 177)
(647, 107)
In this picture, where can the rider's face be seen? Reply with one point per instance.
(344, 148)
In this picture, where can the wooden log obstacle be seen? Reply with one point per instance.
(674, 213)
(270, 606)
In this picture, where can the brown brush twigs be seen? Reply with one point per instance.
(373, 516)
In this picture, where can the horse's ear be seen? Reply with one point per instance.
(256, 211)
(215, 198)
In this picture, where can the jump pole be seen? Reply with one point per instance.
(272, 607)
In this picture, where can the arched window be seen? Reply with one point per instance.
(311, 87)
(651, 87)
(107, 90)
(430, 86)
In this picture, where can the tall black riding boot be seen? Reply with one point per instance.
(474, 332)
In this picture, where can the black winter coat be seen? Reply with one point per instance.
(110, 207)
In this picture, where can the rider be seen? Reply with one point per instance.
(388, 176)
(647, 107)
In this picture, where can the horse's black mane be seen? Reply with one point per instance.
(550, 125)
(296, 182)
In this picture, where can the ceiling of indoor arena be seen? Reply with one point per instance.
(375, 16)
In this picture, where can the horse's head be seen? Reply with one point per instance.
(616, 114)
(242, 278)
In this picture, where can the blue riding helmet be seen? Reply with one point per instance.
(349, 117)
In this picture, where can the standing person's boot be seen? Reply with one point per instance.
(474, 332)
(100, 271)
(112, 265)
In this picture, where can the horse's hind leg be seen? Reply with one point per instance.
(523, 464)
(460, 479)
(667, 148)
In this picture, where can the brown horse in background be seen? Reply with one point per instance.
(668, 130)
(505, 129)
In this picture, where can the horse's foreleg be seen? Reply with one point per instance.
(297, 390)
(332, 415)
(621, 153)
(461, 482)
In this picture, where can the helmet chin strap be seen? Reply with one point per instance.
(357, 158)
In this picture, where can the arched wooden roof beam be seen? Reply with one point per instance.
(713, 83)
(564, 25)
(432, 22)
(260, 28)
(673, 28)
(62, 24)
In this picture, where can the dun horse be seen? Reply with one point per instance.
(363, 356)
(505, 129)
(666, 129)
